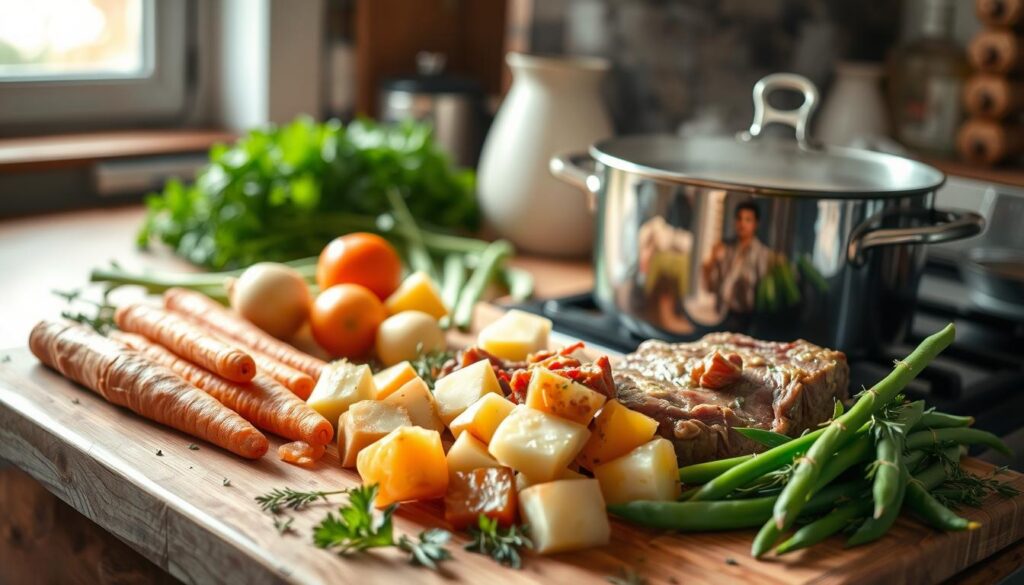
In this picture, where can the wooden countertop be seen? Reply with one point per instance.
(56, 252)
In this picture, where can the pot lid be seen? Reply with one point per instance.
(755, 164)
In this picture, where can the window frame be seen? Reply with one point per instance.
(103, 100)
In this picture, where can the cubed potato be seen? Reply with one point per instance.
(364, 423)
(562, 397)
(515, 335)
(417, 400)
(389, 380)
(483, 417)
(455, 392)
(407, 464)
(616, 430)
(649, 472)
(565, 515)
(468, 453)
(537, 443)
(416, 293)
(523, 482)
(341, 385)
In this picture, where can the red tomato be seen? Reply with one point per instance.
(345, 318)
(363, 259)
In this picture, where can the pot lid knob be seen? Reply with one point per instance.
(765, 114)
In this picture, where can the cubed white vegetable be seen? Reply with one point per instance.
(468, 453)
(649, 472)
(565, 515)
(341, 385)
(456, 391)
(515, 335)
(537, 443)
(523, 482)
(482, 417)
(562, 397)
(416, 399)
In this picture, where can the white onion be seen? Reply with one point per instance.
(273, 296)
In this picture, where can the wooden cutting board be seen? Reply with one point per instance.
(176, 510)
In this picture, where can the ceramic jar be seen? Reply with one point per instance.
(554, 105)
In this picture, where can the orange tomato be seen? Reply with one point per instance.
(345, 318)
(360, 258)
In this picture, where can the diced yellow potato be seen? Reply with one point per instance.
(416, 293)
(523, 482)
(562, 397)
(483, 417)
(515, 335)
(407, 464)
(341, 384)
(468, 453)
(417, 400)
(537, 443)
(649, 472)
(456, 391)
(388, 380)
(364, 423)
(564, 515)
(616, 430)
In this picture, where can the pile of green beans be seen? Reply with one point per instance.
(857, 473)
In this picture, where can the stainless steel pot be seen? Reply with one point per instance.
(777, 239)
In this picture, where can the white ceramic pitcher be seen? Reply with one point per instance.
(554, 105)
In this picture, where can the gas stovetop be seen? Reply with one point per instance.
(981, 374)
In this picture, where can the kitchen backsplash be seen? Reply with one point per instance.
(688, 65)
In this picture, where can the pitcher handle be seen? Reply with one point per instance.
(798, 119)
(948, 225)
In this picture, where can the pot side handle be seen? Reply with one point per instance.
(569, 167)
(948, 225)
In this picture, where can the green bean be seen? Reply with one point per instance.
(889, 481)
(419, 256)
(761, 436)
(877, 525)
(925, 506)
(452, 280)
(808, 467)
(493, 255)
(519, 283)
(958, 435)
(704, 472)
(913, 458)
(826, 526)
(748, 471)
(857, 451)
(940, 420)
(722, 515)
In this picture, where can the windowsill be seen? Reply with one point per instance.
(73, 150)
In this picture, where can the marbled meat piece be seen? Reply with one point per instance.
(698, 391)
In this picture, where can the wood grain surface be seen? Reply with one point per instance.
(176, 511)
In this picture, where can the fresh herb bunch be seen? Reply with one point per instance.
(502, 546)
(283, 192)
(100, 315)
(428, 364)
(356, 527)
(277, 498)
(429, 550)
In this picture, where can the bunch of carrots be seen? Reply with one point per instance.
(197, 367)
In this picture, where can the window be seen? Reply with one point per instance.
(91, 62)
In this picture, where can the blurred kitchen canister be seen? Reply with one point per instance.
(453, 105)
(554, 105)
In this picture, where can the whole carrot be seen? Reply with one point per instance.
(300, 383)
(220, 319)
(186, 340)
(263, 402)
(125, 378)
